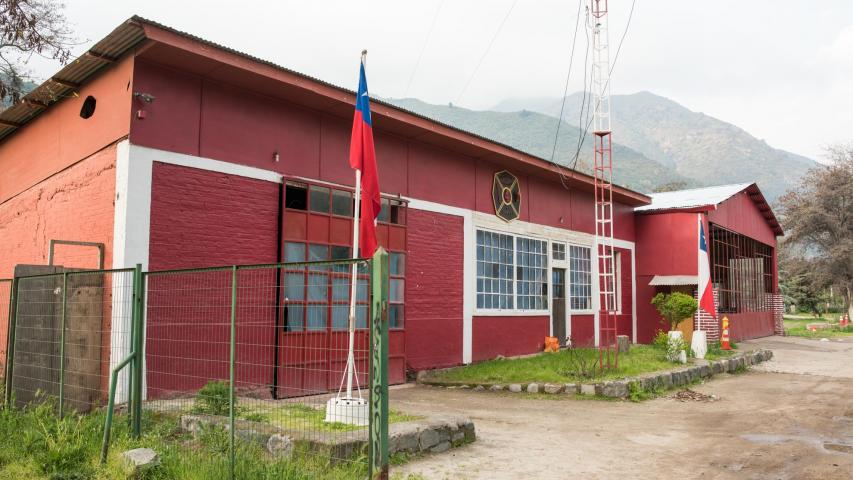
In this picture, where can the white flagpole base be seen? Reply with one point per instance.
(351, 411)
(699, 344)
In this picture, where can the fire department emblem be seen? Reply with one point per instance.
(506, 196)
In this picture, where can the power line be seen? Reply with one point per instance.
(568, 76)
(423, 48)
(488, 48)
(566, 90)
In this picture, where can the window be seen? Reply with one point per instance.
(317, 297)
(392, 211)
(512, 272)
(580, 278)
(396, 297)
(531, 258)
(494, 271)
(296, 196)
(558, 251)
(741, 270)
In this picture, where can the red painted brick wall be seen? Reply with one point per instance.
(583, 330)
(509, 336)
(434, 290)
(75, 204)
(201, 218)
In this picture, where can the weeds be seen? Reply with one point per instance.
(213, 399)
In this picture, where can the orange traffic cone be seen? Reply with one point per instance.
(724, 338)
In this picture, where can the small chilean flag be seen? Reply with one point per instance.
(706, 291)
(363, 157)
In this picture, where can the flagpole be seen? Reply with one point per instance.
(354, 280)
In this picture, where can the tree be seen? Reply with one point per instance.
(818, 219)
(800, 285)
(675, 307)
(27, 28)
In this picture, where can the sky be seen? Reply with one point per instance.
(780, 69)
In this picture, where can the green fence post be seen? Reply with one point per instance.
(378, 449)
(10, 342)
(137, 348)
(62, 325)
(233, 356)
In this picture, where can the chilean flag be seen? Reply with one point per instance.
(363, 157)
(706, 291)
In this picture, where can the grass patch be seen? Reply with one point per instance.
(715, 352)
(797, 327)
(305, 417)
(37, 445)
(555, 367)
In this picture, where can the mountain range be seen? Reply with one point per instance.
(658, 143)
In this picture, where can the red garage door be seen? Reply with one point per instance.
(313, 335)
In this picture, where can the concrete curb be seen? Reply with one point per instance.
(618, 388)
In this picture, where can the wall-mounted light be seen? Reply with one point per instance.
(275, 155)
(145, 97)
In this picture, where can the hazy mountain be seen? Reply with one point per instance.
(695, 145)
(534, 133)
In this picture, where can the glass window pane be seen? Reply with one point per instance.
(397, 264)
(318, 253)
(340, 288)
(385, 212)
(294, 286)
(340, 317)
(293, 317)
(342, 203)
(318, 288)
(294, 252)
(396, 293)
(361, 316)
(316, 317)
(395, 316)
(319, 199)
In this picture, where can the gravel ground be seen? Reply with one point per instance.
(791, 418)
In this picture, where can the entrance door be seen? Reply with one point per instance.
(558, 303)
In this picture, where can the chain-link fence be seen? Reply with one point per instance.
(257, 371)
(66, 332)
(279, 334)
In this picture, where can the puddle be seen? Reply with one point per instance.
(817, 443)
(839, 447)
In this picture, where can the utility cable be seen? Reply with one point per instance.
(423, 48)
(488, 48)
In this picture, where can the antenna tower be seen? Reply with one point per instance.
(603, 173)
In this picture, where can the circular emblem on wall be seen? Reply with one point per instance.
(506, 196)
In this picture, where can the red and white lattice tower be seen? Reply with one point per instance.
(603, 173)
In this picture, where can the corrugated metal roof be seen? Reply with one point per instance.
(127, 35)
(74, 74)
(695, 197)
(670, 280)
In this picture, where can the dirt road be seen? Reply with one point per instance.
(765, 425)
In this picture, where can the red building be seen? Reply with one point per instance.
(175, 152)
(741, 232)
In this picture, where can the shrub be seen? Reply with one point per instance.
(674, 347)
(581, 363)
(661, 340)
(213, 399)
(675, 307)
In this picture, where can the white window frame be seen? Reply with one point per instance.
(593, 286)
(617, 280)
(515, 312)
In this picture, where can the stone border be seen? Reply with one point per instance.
(618, 388)
(434, 434)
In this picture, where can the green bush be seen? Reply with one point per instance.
(675, 307)
(213, 399)
(661, 340)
